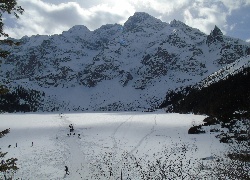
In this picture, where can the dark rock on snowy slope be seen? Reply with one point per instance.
(116, 67)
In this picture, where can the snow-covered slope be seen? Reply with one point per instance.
(108, 144)
(116, 67)
(229, 70)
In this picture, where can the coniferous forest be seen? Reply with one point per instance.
(220, 99)
(20, 100)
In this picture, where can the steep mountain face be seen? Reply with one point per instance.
(116, 67)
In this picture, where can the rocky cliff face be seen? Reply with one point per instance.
(117, 67)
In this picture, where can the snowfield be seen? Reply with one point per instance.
(110, 145)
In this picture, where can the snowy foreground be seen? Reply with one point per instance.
(111, 145)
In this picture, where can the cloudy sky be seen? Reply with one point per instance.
(54, 16)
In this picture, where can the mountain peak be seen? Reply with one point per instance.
(214, 36)
(141, 15)
(216, 31)
(141, 19)
(177, 23)
(77, 30)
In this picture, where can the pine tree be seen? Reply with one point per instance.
(9, 7)
(9, 166)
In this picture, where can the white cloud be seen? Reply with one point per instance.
(204, 18)
(45, 18)
(235, 4)
(118, 12)
(232, 26)
(162, 6)
(248, 40)
(53, 17)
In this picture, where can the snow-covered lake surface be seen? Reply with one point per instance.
(110, 145)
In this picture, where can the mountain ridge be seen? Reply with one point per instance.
(116, 67)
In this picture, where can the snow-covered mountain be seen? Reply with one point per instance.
(116, 67)
(223, 73)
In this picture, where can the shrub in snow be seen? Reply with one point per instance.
(234, 166)
(196, 130)
(210, 121)
(175, 162)
(7, 167)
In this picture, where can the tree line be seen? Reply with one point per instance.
(21, 100)
(220, 99)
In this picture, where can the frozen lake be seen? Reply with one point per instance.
(110, 145)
